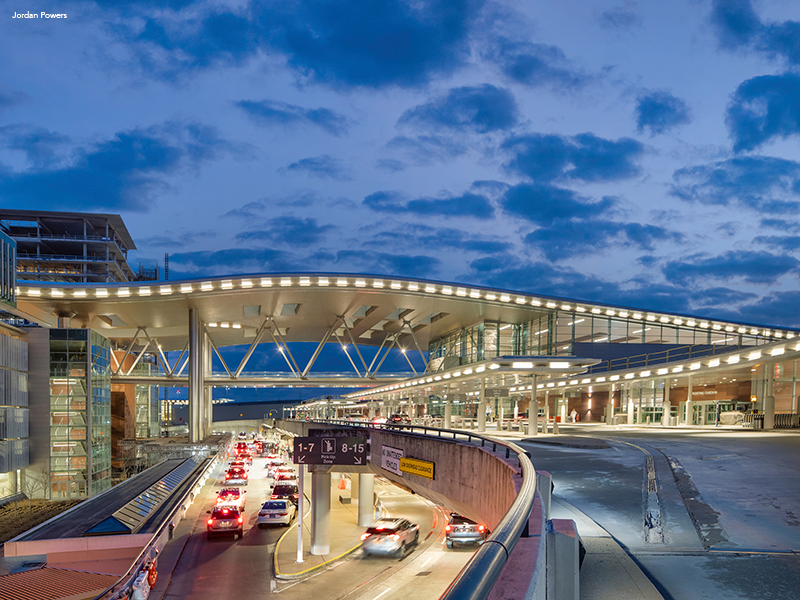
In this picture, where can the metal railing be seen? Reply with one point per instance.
(477, 578)
(665, 356)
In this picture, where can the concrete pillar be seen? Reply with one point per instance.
(563, 560)
(501, 414)
(207, 416)
(516, 408)
(448, 409)
(689, 405)
(626, 392)
(533, 410)
(703, 416)
(482, 406)
(610, 405)
(769, 396)
(366, 495)
(639, 412)
(546, 411)
(196, 368)
(320, 513)
(564, 406)
(666, 406)
(544, 486)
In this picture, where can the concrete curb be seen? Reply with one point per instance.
(306, 572)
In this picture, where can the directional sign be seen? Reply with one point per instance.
(330, 451)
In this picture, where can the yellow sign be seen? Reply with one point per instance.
(414, 466)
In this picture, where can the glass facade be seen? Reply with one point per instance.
(14, 412)
(608, 337)
(80, 413)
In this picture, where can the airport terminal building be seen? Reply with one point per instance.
(99, 351)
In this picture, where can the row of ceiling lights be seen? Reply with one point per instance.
(411, 286)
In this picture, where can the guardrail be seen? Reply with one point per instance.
(123, 585)
(477, 578)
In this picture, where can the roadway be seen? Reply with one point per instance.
(243, 568)
(727, 502)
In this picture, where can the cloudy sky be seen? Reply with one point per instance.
(637, 153)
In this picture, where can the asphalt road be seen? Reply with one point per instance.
(241, 569)
(726, 505)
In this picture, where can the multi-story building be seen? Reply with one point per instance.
(70, 247)
(14, 411)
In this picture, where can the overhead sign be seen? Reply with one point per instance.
(390, 459)
(414, 466)
(330, 451)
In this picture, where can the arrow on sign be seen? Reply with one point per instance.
(302, 459)
(357, 460)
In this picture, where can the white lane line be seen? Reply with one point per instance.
(386, 591)
(423, 565)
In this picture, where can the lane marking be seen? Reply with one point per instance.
(386, 591)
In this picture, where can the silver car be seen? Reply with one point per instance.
(461, 530)
(276, 512)
(390, 537)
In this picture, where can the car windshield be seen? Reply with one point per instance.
(382, 528)
(285, 489)
(459, 520)
(275, 505)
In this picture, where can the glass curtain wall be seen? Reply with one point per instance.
(80, 413)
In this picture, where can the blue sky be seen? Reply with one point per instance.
(636, 153)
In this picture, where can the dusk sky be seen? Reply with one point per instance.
(636, 153)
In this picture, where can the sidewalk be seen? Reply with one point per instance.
(345, 538)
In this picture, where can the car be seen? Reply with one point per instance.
(273, 459)
(389, 536)
(284, 478)
(232, 495)
(242, 435)
(276, 512)
(225, 519)
(239, 464)
(236, 476)
(378, 420)
(285, 491)
(399, 419)
(240, 447)
(461, 530)
(272, 470)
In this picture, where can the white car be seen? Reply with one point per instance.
(276, 512)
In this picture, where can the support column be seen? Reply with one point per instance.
(610, 405)
(208, 392)
(482, 407)
(196, 367)
(769, 397)
(448, 409)
(366, 495)
(555, 413)
(626, 391)
(689, 405)
(533, 410)
(320, 513)
(666, 406)
(546, 411)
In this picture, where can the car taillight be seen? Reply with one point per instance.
(447, 528)
(294, 496)
(241, 519)
(282, 514)
(227, 475)
(211, 521)
(481, 528)
(274, 496)
(262, 514)
(365, 536)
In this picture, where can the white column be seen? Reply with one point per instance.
(555, 413)
(320, 513)
(626, 392)
(546, 411)
(689, 405)
(533, 410)
(366, 493)
(665, 416)
(482, 406)
(769, 397)
(196, 367)
(448, 409)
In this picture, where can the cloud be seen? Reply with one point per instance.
(621, 17)
(721, 296)
(122, 173)
(433, 238)
(289, 230)
(10, 99)
(38, 144)
(738, 27)
(786, 243)
(466, 205)
(545, 204)
(323, 167)
(236, 260)
(765, 184)
(418, 265)
(780, 306)
(511, 273)
(659, 112)
(566, 239)
(764, 108)
(270, 112)
(177, 240)
(583, 157)
(481, 109)
(349, 44)
(782, 224)
(750, 266)
(423, 149)
(536, 65)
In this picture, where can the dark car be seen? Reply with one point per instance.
(225, 519)
(399, 419)
(461, 530)
(285, 491)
